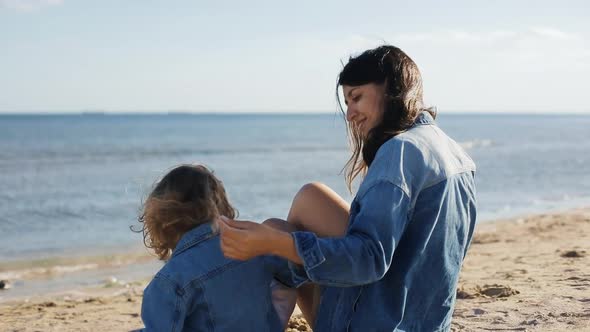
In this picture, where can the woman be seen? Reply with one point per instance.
(391, 261)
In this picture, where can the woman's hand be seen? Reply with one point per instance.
(242, 240)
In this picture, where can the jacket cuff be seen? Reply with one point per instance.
(284, 272)
(308, 249)
(298, 275)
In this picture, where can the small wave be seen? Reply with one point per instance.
(55, 212)
(42, 272)
(478, 143)
(142, 153)
(52, 267)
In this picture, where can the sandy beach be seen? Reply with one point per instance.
(523, 274)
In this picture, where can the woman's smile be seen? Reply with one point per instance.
(364, 106)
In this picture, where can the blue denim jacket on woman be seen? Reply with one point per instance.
(200, 290)
(410, 225)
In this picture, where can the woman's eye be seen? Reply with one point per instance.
(356, 98)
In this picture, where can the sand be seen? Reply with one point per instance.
(522, 274)
(527, 274)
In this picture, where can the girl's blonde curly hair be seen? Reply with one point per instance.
(186, 197)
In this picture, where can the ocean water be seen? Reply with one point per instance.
(73, 184)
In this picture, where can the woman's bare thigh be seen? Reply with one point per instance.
(319, 209)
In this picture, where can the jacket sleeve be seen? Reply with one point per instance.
(163, 308)
(365, 253)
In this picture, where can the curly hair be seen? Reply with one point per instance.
(186, 197)
(403, 103)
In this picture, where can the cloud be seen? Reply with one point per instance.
(547, 34)
(28, 5)
(525, 49)
(552, 33)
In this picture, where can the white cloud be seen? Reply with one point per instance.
(28, 5)
(527, 48)
(552, 33)
(488, 37)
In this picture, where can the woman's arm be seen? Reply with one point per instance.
(362, 256)
(242, 240)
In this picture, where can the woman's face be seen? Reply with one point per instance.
(364, 105)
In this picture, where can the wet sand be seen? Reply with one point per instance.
(522, 274)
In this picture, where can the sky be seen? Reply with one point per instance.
(60, 56)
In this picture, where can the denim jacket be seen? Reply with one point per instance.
(200, 290)
(410, 225)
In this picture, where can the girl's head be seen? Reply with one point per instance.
(186, 197)
(382, 89)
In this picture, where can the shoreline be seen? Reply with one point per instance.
(28, 279)
(527, 273)
(125, 261)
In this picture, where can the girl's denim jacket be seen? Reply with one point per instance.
(200, 290)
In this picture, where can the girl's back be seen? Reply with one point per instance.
(200, 290)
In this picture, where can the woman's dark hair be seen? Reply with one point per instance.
(389, 66)
(186, 197)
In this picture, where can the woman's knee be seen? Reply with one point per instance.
(319, 209)
(311, 192)
(304, 200)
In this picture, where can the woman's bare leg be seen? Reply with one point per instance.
(317, 208)
(283, 297)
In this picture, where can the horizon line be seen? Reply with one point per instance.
(278, 112)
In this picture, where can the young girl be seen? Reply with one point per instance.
(198, 289)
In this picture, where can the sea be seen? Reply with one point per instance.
(73, 185)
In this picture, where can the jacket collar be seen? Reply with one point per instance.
(194, 237)
(424, 118)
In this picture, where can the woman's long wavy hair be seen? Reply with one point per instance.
(403, 101)
(186, 197)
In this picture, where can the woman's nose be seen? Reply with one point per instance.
(350, 114)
